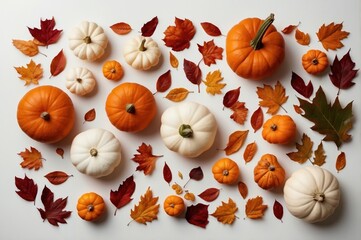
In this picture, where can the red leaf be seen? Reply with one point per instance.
(90, 115)
(211, 29)
(28, 189)
(243, 189)
(53, 210)
(164, 81)
(57, 177)
(149, 27)
(299, 85)
(178, 37)
(278, 210)
(231, 97)
(197, 215)
(60, 152)
(167, 173)
(257, 119)
(46, 34)
(193, 72)
(210, 52)
(209, 194)
(121, 28)
(123, 195)
(196, 174)
(58, 64)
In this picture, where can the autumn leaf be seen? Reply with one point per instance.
(255, 208)
(167, 173)
(231, 97)
(243, 189)
(189, 196)
(300, 86)
(29, 48)
(331, 35)
(60, 152)
(257, 119)
(149, 27)
(32, 159)
(197, 215)
(46, 34)
(302, 38)
(57, 177)
(123, 195)
(304, 150)
(121, 28)
(235, 141)
(211, 29)
(192, 72)
(53, 210)
(90, 115)
(210, 52)
(240, 112)
(210, 194)
(145, 159)
(213, 82)
(290, 28)
(272, 98)
(58, 63)
(164, 82)
(278, 210)
(27, 188)
(178, 37)
(340, 161)
(195, 174)
(250, 151)
(147, 208)
(31, 73)
(173, 60)
(320, 157)
(333, 121)
(177, 94)
(226, 212)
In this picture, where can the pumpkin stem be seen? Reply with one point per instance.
(90, 207)
(185, 131)
(271, 168)
(93, 152)
(142, 47)
(225, 172)
(315, 61)
(45, 116)
(256, 43)
(130, 108)
(79, 80)
(274, 127)
(319, 197)
(87, 40)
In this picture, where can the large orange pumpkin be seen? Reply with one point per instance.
(46, 114)
(254, 48)
(268, 173)
(130, 107)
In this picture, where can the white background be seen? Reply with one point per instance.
(21, 219)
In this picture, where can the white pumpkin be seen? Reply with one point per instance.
(142, 53)
(312, 194)
(80, 81)
(88, 41)
(188, 128)
(95, 152)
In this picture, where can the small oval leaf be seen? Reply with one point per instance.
(173, 60)
(164, 81)
(57, 177)
(209, 194)
(341, 161)
(278, 210)
(257, 119)
(121, 28)
(177, 94)
(211, 29)
(231, 97)
(243, 189)
(249, 152)
(90, 115)
(167, 173)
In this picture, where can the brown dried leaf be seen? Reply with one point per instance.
(121, 28)
(226, 212)
(60, 152)
(272, 98)
(164, 82)
(341, 161)
(145, 159)
(149, 27)
(304, 150)
(249, 152)
(255, 208)
(289, 29)
(58, 63)
(210, 52)
(331, 35)
(211, 29)
(302, 38)
(210, 194)
(243, 189)
(320, 157)
(235, 141)
(57, 177)
(178, 37)
(29, 48)
(177, 94)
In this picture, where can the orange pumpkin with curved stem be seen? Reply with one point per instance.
(314, 61)
(174, 205)
(226, 171)
(279, 129)
(268, 173)
(90, 206)
(112, 70)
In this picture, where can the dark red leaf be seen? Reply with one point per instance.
(28, 189)
(231, 97)
(196, 174)
(211, 29)
(193, 72)
(58, 63)
(57, 177)
(60, 152)
(46, 34)
(164, 81)
(278, 210)
(257, 119)
(243, 189)
(197, 215)
(149, 27)
(167, 173)
(299, 85)
(123, 195)
(209, 194)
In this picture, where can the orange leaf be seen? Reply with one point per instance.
(147, 208)
(255, 208)
(304, 150)
(298, 109)
(58, 64)
(235, 141)
(331, 35)
(173, 60)
(289, 29)
(121, 28)
(90, 115)
(272, 98)
(31, 159)
(302, 38)
(240, 112)
(60, 152)
(177, 94)
(178, 37)
(249, 152)
(211, 29)
(210, 52)
(212, 82)
(341, 161)
(257, 119)
(243, 189)
(145, 159)
(29, 48)
(31, 73)
(320, 157)
(226, 212)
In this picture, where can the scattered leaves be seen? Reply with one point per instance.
(341, 161)
(211, 29)
(123, 195)
(257, 119)
(178, 37)
(235, 141)
(213, 82)
(145, 159)
(29, 48)
(32, 159)
(164, 82)
(240, 112)
(149, 27)
(250, 151)
(302, 38)
(177, 94)
(304, 150)
(331, 35)
(278, 210)
(210, 52)
(197, 215)
(167, 173)
(147, 208)
(226, 212)
(210, 194)
(272, 98)
(173, 60)
(300, 86)
(57, 177)
(243, 189)
(121, 28)
(193, 72)
(46, 34)
(320, 157)
(57, 64)
(90, 115)
(255, 208)
(27, 188)
(32, 73)
(231, 97)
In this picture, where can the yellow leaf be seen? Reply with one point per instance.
(147, 208)
(255, 208)
(331, 35)
(173, 60)
(177, 94)
(302, 38)
(304, 150)
(30, 74)
(235, 141)
(212, 82)
(272, 98)
(31, 159)
(320, 157)
(29, 48)
(226, 212)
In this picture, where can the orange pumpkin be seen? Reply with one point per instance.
(254, 48)
(90, 206)
(112, 70)
(268, 173)
(279, 129)
(174, 205)
(46, 114)
(314, 61)
(130, 107)
(226, 171)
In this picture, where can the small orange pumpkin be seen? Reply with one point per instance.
(46, 114)
(226, 171)
(90, 206)
(254, 48)
(279, 129)
(314, 61)
(174, 205)
(130, 107)
(268, 173)
(112, 70)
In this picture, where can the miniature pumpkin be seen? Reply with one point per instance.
(112, 70)
(88, 41)
(90, 206)
(130, 107)
(188, 128)
(226, 171)
(254, 48)
(80, 81)
(46, 114)
(314, 61)
(268, 173)
(312, 194)
(142, 53)
(279, 129)
(95, 152)
(174, 205)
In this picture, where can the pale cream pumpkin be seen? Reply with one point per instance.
(80, 81)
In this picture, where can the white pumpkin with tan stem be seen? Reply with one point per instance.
(95, 152)
(312, 194)
(80, 81)
(188, 128)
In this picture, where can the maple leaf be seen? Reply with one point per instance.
(240, 112)
(123, 195)
(147, 208)
(31, 73)
(145, 159)
(28, 189)
(29, 48)
(302, 38)
(320, 157)
(210, 52)
(197, 215)
(178, 37)
(331, 35)
(304, 150)
(31, 158)
(213, 82)
(272, 98)
(53, 210)
(226, 212)
(333, 121)
(46, 34)
(255, 208)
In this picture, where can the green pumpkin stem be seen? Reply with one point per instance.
(256, 43)
(130, 108)
(142, 47)
(185, 131)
